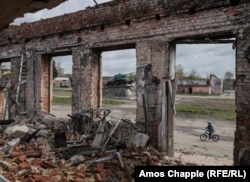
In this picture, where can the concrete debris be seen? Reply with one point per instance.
(3, 179)
(14, 142)
(18, 130)
(138, 139)
(50, 149)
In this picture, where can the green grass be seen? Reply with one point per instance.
(112, 102)
(62, 92)
(61, 100)
(221, 109)
(68, 100)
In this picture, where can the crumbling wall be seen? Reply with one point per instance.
(2, 103)
(242, 91)
(86, 82)
(151, 27)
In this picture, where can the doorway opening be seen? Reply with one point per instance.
(119, 83)
(62, 86)
(205, 93)
(5, 75)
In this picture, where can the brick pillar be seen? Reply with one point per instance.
(154, 53)
(37, 83)
(46, 83)
(2, 103)
(242, 93)
(86, 79)
(32, 71)
(1, 95)
(13, 107)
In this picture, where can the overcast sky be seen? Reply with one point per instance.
(205, 59)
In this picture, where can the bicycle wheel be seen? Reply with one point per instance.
(203, 137)
(215, 138)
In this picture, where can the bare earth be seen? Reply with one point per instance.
(187, 144)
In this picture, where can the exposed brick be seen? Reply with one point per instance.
(150, 37)
(21, 158)
(24, 165)
(1, 142)
(98, 177)
(36, 162)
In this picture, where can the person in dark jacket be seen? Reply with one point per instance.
(210, 129)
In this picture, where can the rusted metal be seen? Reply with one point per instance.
(7, 122)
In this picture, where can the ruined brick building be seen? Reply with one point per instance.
(153, 28)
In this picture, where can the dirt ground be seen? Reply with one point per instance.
(187, 144)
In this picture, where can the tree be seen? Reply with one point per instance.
(193, 74)
(60, 70)
(180, 72)
(69, 75)
(55, 72)
(228, 75)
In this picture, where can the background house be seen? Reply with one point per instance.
(62, 82)
(212, 85)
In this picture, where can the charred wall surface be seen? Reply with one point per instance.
(152, 28)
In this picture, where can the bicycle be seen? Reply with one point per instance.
(205, 135)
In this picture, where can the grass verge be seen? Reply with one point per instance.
(221, 109)
(112, 102)
(62, 100)
(65, 100)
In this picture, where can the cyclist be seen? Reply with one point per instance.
(210, 129)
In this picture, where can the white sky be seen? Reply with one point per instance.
(205, 59)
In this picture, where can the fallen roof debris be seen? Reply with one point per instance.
(89, 145)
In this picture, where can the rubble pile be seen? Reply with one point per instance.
(51, 149)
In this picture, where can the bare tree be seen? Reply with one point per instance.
(180, 71)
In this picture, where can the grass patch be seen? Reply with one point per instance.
(220, 109)
(65, 100)
(112, 102)
(60, 100)
(62, 92)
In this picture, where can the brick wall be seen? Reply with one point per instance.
(46, 84)
(149, 26)
(2, 103)
(242, 134)
(86, 74)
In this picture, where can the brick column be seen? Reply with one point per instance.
(35, 84)
(156, 54)
(86, 79)
(15, 65)
(32, 69)
(242, 93)
(2, 103)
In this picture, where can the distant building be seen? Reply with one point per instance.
(213, 85)
(4, 75)
(62, 82)
(5, 69)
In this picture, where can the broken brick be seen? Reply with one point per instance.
(53, 172)
(24, 165)
(100, 166)
(1, 142)
(36, 162)
(56, 178)
(20, 158)
(47, 165)
(38, 178)
(13, 167)
(98, 177)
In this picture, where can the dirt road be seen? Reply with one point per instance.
(187, 143)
